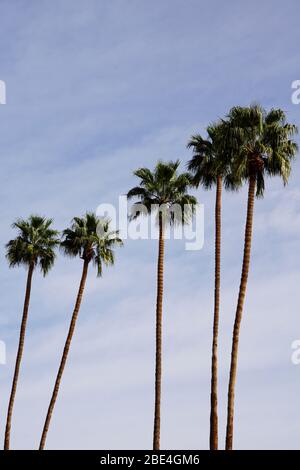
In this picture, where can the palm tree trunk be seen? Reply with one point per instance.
(18, 358)
(158, 368)
(239, 312)
(65, 354)
(214, 362)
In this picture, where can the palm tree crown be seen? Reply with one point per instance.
(165, 191)
(34, 245)
(263, 144)
(91, 239)
(212, 157)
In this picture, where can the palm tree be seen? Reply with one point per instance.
(263, 147)
(33, 247)
(211, 166)
(163, 192)
(91, 239)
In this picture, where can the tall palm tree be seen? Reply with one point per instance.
(163, 192)
(263, 147)
(33, 247)
(91, 239)
(211, 166)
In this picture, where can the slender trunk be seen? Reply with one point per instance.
(65, 354)
(158, 368)
(214, 362)
(18, 358)
(239, 312)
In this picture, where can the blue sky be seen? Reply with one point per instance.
(96, 89)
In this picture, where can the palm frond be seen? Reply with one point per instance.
(91, 239)
(34, 245)
(160, 190)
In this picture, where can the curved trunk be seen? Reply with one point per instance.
(214, 363)
(65, 355)
(239, 312)
(18, 358)
(158, 368)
